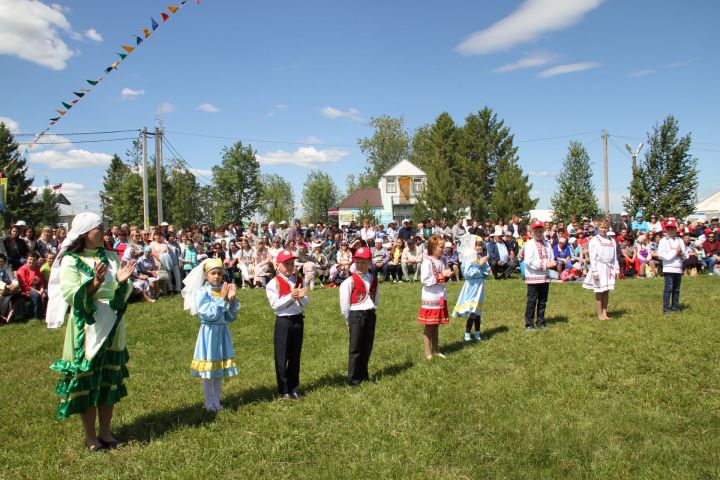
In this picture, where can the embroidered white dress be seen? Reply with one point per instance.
(603, 264)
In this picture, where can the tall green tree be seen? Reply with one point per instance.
(366, 212)
(184, 200)
(122, 193)
(388, 144)
(237, 184)
(319, 195)
(47, 211)
(206, 207)
(421, 147)
(444, 138)
(575, 194)
(665, 182)
(19, 197)
(277, 199)
(512, 190)
(483, 142)
(440, 197)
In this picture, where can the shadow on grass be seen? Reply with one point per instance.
(619, 313)
(156, 424)
(556, 319)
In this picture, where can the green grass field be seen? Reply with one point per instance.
(634, 397)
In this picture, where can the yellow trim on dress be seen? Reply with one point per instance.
(209, 365)
(467, 305)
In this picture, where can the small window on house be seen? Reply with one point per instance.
(417, 185)
(391, 185)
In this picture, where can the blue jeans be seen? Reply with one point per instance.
(710, 263)
(672, 286)
(38, 304)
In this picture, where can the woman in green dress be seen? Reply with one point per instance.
(92, 282)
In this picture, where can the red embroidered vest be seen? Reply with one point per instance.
(359, 292)
(284, 286)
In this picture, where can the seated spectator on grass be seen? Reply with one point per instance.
(563, 255)
(629, 265)
(458, 230)
(148, 266)
(654, 226)
(639, 224)
(263, 263)
(691, 263)
(450, 261)
(711, 247)
(33, 284)
(411, 259)
(406, 232)
(394, 262)
(380, 259)
(12, 302)
(43, 244)
(646, 263)
(121, 243)
(502, 263)
(47, 266)
(15, 248)
(572, 273)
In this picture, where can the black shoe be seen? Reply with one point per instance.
(542, 327)
(285, 396)
(94, 449)
(295, 395)
(110, 445)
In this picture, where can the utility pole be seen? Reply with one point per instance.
(146, 198)
(158, 172)
(605, 166)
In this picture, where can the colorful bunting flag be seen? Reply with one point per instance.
(61, 112)
(75, 101)
(146, 32)
(138, 40)
(108, 70)
(173, 9)
(55, 119)
(164, 16)
(154, 24)
(122, 55)
(92, 82)
(53, 122)
(78, 94)
(128, 48)
(66, 105)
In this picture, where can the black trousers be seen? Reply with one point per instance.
(537, 295)
(288, 346)
(362, 336)
(671, 290)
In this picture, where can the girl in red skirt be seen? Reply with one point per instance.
(433, 311)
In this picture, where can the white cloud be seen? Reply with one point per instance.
(72, 158)
(277, 109)
(281, 106)
(203, 172)
(207, 108)
(63, 143)
(536, 59)
(130, 94)
(93, 35)
(31, 30)
(567, 68)
(332, 112)
(532, 19)
(641, 73)
(539, 173)
(11, 124)
(166, 107)
(312, 140)
(303, 157)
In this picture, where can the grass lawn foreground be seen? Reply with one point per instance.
(637, 396)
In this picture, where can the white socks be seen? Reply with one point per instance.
(212, 388)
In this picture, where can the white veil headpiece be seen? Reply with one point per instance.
(57, 307)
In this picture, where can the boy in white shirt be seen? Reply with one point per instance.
(539, 260)
(288, 297)
(671, 251)
(358, 301)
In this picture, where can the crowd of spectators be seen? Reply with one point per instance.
(324, 252)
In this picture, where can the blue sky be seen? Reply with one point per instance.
(301, 79)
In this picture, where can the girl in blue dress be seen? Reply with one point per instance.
(213, 301)
(472, 296)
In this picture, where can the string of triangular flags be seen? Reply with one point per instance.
(81, 93)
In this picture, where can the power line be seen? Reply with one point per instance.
(79, 141)
(263, 141)
(177, 155)
(77, 133)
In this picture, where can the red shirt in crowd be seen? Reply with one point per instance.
(30, 278)
(711, 248)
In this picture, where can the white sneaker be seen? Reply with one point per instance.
(440, 355)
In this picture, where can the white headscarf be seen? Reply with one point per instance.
(57, 307)
(193, 282)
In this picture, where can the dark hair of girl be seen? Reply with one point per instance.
(77, 245)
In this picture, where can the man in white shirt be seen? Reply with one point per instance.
(367, 233)
(358, 301)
